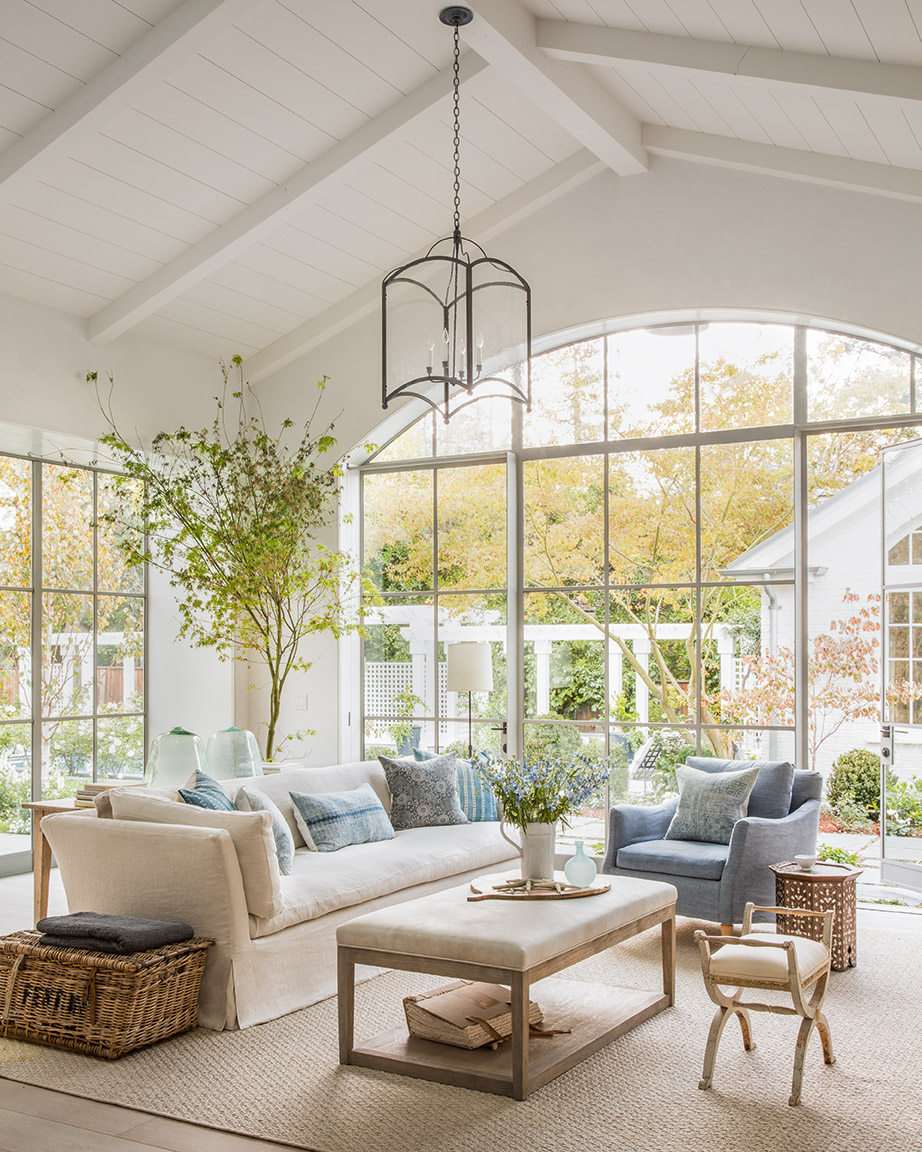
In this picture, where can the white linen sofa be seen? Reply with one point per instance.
(275, 935)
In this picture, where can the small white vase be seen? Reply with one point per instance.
(579, 869)
(536, 849)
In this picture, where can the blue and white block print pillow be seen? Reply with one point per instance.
(333, 820)
(477, 801)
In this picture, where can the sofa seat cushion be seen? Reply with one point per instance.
(323, 882)
(694, 858)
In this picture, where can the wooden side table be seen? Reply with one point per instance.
(826, 886)
(41, 850)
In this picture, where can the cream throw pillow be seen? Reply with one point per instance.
(250, 831)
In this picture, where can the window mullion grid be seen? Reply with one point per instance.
(801, 630)
(36, 631)
(698, 671)
(434, 674)
(94, 699)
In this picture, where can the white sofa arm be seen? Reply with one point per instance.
(163, 871)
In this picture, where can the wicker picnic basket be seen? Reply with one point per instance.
(95, 1002)
(464, 1014)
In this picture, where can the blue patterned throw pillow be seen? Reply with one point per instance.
(710, 803)
(207, 793)
(477, 801)
(333, 820)
(252, 800)
(424, 794)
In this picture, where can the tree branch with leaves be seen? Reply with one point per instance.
(234, 516)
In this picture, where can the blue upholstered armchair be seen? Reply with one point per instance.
(715, 881)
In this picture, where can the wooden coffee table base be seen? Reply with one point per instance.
(595, 1013)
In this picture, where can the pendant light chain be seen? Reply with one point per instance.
(457, 154)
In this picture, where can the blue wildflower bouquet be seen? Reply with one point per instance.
(543, 790)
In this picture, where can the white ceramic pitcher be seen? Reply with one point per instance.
(536, 849)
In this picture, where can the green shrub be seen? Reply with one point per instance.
(856, 775)
(852, 816)
(837, 855)
(904, 807)
(546, 740)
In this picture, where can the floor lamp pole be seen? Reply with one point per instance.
(470, 738)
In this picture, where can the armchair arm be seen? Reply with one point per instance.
(755, 844)
(632, 823)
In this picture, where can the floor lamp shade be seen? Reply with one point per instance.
(469, 667)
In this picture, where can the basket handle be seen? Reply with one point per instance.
(11, 980)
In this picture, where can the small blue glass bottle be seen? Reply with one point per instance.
(579, 870)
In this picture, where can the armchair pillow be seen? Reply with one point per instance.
(334, 820)
(710, 803)
(423, 795)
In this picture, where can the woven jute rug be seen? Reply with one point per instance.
(281, 1081)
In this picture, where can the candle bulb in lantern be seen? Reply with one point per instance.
(479, 353)
(431, 353)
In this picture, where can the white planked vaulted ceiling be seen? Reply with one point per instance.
(239, 174)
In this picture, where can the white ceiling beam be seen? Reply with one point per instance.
(155, 56)
(503, 33)
(271, 211)
(511, 209)
(787, 163)
(608, 47)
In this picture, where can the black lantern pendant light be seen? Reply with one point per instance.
(456, 317)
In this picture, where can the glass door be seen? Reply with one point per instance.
(901, 665)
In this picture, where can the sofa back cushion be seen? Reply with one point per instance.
(251, 833)
(339, 778)
(103, 801)
(771, 796)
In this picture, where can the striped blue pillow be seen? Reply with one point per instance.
(333, 820)
(207, 793)
(477, 801)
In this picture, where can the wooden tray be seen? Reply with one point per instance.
(484, 888)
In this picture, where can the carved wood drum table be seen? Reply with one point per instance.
(823, 887)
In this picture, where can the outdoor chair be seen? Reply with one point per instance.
(643, 763)
(715, 881)
(791, 964)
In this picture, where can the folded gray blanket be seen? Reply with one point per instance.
(101, 932)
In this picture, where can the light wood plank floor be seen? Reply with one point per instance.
(37, 1120)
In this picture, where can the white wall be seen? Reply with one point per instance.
(186, 686)
(681, 237)
(45, 359)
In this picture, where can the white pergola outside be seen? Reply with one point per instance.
(383, 680)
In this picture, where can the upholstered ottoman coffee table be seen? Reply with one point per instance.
(515, 943)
